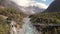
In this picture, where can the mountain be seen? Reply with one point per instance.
(27, 10)
(8, 3)
(31, 9)
(54, 6)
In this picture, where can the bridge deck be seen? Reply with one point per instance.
(48, 24)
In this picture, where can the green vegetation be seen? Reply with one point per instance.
(46, 18)
(11, 13)
(53, 17)
(3, 26)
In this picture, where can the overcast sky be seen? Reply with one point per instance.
(39, 3)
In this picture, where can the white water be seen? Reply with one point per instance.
(27, 28)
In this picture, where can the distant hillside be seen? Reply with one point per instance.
(54, 6)
(8, 3)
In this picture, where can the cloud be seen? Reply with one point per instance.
(44, 0)
(27, 3)
(40, 5)
(22, 2)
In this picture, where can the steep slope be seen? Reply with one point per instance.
(54, 6)
(7, 3)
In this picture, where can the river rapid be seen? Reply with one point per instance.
(27, 28)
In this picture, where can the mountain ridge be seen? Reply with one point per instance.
(54, 6)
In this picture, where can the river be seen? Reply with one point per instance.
(27, 28)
